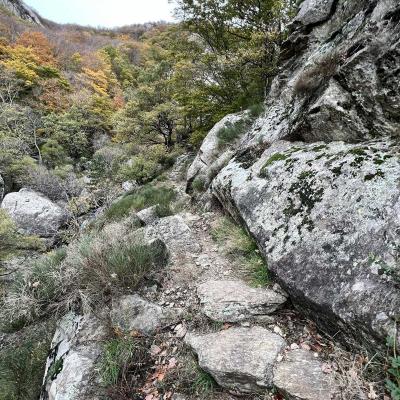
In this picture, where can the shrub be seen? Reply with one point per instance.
(199, 184)
(323, 69)
(145, 197)
(44, 181)
(256, 110)
(22, 363)
(111, 262)
(231, 131)
(242, 248)
(140, 169)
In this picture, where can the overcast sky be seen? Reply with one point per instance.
(107, 13)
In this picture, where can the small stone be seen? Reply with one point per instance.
(294, 346)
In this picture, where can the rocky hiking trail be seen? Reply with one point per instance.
(249, 339)
(203, 328)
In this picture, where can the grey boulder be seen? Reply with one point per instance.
(175, 233)
(239, 359)
(300, 376)
(313, 11)
(71, 366)
(326, 217)
(234, 301)
(34, 214)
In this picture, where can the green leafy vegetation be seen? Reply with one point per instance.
(144, 197)
(243, 250)
(393, 381)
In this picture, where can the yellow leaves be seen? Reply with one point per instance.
(38, 43)
(98, 81)
(99, 75)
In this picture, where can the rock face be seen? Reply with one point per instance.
(239, 359)
(234, 301)
(133, 313)
(20, 9)
(34, 213)
(70, 370)
(326, 217)
(300, 377)
(324, 210)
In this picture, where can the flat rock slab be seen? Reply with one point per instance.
(133, 313)
(240, 359)
(234, 301)
(300, 377)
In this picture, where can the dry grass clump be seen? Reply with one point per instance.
(322, 70)
(89, 271)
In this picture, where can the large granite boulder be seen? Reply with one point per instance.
(327, 219)
(34, 213)
(240, 359)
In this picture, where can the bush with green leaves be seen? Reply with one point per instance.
(239, 245)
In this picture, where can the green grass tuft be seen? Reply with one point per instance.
(242, 249)
(146, 196)
(22, 364)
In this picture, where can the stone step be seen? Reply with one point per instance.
(301, 377)
(239, 359)
(235, 301)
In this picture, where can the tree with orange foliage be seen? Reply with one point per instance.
(40, 46)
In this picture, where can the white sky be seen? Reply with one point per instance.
(105, 13)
